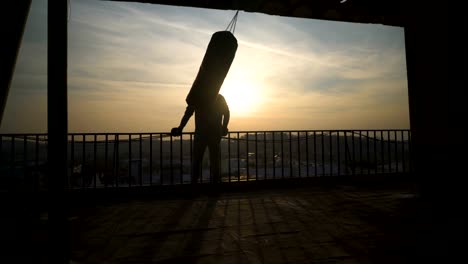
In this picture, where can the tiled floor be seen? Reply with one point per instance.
(299, 225)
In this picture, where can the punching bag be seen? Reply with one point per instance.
(213, 70)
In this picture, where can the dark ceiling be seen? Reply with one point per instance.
(384, 12)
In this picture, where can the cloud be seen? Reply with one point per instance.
(131, 66)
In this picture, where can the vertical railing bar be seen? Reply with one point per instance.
(129, 160)
(274, 154)
(323, 152)
(265, 154)
(338, 155)
(106, 154)
(256, 156)
(116, 159)
(368, 152)
(299, 154)
(238, 157)
(307, 152)
(396, 150)
(25, 156)
(182, 159)
(151, 159)
(140, 162)
(201, 169)
(403, 151)
(410, 150)
(375, 152)
(220, 159)
(360, 153)
(229, 157)
(36, 158)
(191, 157)
(161, 167)
(315, 152)
(290, 156)
(247, 154)
(346, 153)
(95, 160)
(382, 151)
(83, 162)
(353, 154)
(69, 165)
(331, 152)
(170, 160)
(389, 152)
(282, 155)
(12, 157)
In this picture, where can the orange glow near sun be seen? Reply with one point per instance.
(242, 96)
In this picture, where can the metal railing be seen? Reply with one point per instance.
(107, 160)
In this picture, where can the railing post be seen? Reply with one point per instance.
(368, 153)
(238, 157)
(116, 158)
(338, 158)
(95, 160)
(106, 153)
(36, 164)
(161, 167)
(315, 153)
(171, 160)
(83, 161)
(151, 160)
(323, 152)
(265, 155)
(282, 155)
(182, 160)
(360, 153)
(274, 156)
(140, 162)
(229, 156)
(256, 156)
(307, 152)
(247, 155)
(330, 141)
(299, 154)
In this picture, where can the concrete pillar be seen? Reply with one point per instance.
(438, 130)
(57, 129)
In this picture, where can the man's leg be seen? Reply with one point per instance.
(199, 146)
(215, 159)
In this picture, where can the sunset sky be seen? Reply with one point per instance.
(131, 65)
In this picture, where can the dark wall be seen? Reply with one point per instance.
(435, 109)
(438, 126)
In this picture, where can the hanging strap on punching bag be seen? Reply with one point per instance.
(232, 25)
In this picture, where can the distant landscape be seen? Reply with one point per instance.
(97, 162)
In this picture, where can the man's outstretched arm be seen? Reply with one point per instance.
(176, 131)
(188, 113)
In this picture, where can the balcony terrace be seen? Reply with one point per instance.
(115, 160)
(285, 197)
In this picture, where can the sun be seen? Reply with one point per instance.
(242, 96)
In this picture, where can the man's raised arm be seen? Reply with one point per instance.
(177, 131)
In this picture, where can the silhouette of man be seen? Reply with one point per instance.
(211, 123)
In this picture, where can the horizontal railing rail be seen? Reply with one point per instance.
(109, 160)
